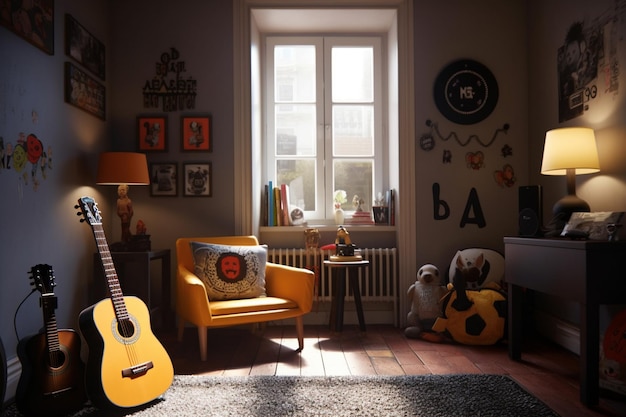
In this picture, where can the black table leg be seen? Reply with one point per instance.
(356, 290)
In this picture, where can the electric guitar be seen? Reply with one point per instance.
(51, 381)
(127, 366)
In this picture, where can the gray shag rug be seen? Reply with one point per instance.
(275, 396)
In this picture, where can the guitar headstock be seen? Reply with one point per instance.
(42, 277)
(89, 210)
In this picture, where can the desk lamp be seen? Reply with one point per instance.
(123, 169)
(569, 151)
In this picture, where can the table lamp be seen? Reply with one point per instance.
(123, 169)
(569, 151)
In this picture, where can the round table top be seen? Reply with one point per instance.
(347, 263)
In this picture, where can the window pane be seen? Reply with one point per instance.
(299, 174)
(353, 130)
(352, 75)
(356, 178)
(294, 73)
(295, 129)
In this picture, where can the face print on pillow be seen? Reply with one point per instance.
(230, 267)
(230, 272)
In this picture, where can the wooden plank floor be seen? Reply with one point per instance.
(547, 370)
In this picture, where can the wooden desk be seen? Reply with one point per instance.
(133, 273)
(339, 292)
(588, 272)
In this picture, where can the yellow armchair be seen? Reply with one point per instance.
(289, 294)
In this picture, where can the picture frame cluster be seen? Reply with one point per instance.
(195, 179)
(195, 134)
(83, 88)
(168, 179)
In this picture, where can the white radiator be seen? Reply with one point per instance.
(378, 282)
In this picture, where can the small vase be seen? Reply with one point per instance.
(338, 216)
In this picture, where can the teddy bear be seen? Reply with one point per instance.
(425, 294)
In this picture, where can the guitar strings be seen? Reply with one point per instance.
(125, 327)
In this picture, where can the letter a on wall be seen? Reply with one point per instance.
(473, 204)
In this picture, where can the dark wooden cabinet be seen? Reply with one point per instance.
(588, 272)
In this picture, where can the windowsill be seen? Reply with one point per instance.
(363, 235)
(368, 228)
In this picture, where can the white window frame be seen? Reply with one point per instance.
(324, 154)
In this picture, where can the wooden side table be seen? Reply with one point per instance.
(133, 273)
(339, 292)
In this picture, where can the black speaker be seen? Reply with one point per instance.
(530, 211)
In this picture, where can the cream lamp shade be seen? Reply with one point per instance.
(570, 148)
(115, 168)
(569, 151)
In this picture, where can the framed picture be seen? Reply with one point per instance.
(84, 47)
(197, 179)
(32, 21)
(151, 133)
(196, 133)
(164, 179)
(83, 91)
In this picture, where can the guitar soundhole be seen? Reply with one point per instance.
(126, 328)
(57, 359)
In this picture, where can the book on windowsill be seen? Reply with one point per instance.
(360, 217)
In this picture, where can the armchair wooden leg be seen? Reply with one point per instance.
(300, 332)
(202, 341)
(181, 328)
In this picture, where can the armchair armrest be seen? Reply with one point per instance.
(192, 302)
(292, 283)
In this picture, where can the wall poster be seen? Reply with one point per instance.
(588, 62)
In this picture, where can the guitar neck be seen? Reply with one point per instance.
(48, 305)
(113, 283)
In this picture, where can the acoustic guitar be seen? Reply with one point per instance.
(52, 378)
(127, 366)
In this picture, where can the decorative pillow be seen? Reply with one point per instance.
(230, 272)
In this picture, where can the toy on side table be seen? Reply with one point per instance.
(345, 250)
(425, 294)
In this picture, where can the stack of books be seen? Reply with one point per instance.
(361, 217)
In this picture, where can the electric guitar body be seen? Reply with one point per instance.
(127, 366)
(52, 378)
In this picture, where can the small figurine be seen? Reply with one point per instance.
(124, 210)
(343, 237)
(141, 228)
(311, 238)
(344, 248)
(357, 203)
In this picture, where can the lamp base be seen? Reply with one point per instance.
(562, 211)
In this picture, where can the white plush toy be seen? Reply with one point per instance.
(425, 294)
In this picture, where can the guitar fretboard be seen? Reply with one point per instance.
(115, 290)
(48, 305)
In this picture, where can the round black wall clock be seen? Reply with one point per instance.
(466, 92)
